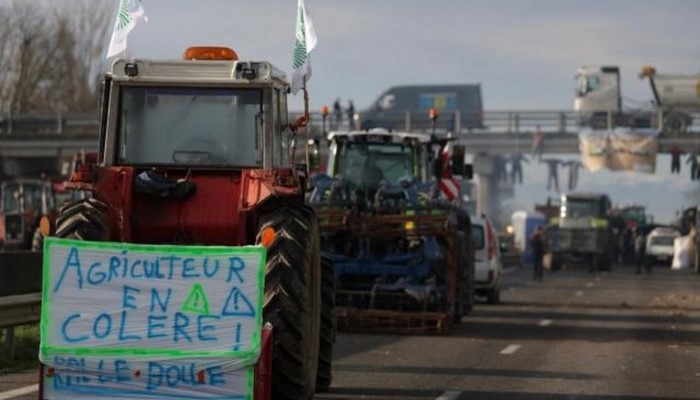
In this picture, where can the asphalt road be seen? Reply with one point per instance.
(574, 336)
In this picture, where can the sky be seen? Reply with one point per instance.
(524, 53)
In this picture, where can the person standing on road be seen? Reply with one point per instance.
(693, 161)
(640, 250)
(676, 160)
(537, 241)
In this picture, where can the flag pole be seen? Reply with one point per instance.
(306, 118)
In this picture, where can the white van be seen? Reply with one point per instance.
(659, 246)
(487, 260)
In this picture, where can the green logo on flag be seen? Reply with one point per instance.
(123, 15)
(300, 47)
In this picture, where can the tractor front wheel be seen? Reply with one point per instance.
(37, 240)
(292, 301)
(325, 354)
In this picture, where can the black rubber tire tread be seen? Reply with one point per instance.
(324, 375)
(469, 281)
(291, 279)
(38, 240)
(462, 265)
(83, 219)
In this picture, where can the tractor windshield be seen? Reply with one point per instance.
(10, 197)
(190, 126)
(581, 208)
(366, 164)
(635, 214)
(22, 197)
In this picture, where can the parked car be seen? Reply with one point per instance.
(487, 260)
(659, 246)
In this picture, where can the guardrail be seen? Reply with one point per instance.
(17, 310)
(499, 121)
(48, 123)
(20, 309)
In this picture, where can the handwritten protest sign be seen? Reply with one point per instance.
(146, 321)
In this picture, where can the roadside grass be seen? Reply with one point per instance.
(26, 350)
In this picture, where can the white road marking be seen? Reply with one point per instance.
(449, 395)
(546, 322)
(510, 349)
(579, 293)
(589, 284)
(10, 394)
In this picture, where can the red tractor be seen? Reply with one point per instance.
(23, 202)
(198, 152)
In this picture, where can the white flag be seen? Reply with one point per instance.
(305, 42)
(128, 14)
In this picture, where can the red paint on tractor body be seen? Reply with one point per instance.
(219, 212)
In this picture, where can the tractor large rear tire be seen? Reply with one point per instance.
(469, 273)
(462, 262)
(84, 220)
(325, 354)
(293, 300)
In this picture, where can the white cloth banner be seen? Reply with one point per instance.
(72, 377)
(155, 314)
(622, 149)
(682, 252)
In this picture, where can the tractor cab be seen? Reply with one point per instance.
(210, 125)
(366, 158)
(22, 204)
(362, 164)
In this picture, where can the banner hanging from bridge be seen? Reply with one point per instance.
(146, 321)
(620, 149)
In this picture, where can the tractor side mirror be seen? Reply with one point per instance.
(437, 168)
(303, 174)
(457, 160)
(467, 171)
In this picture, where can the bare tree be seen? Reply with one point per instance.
(85, 28)
(51, 57)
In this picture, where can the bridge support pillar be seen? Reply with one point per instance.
(491, 188)
(485, 168)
